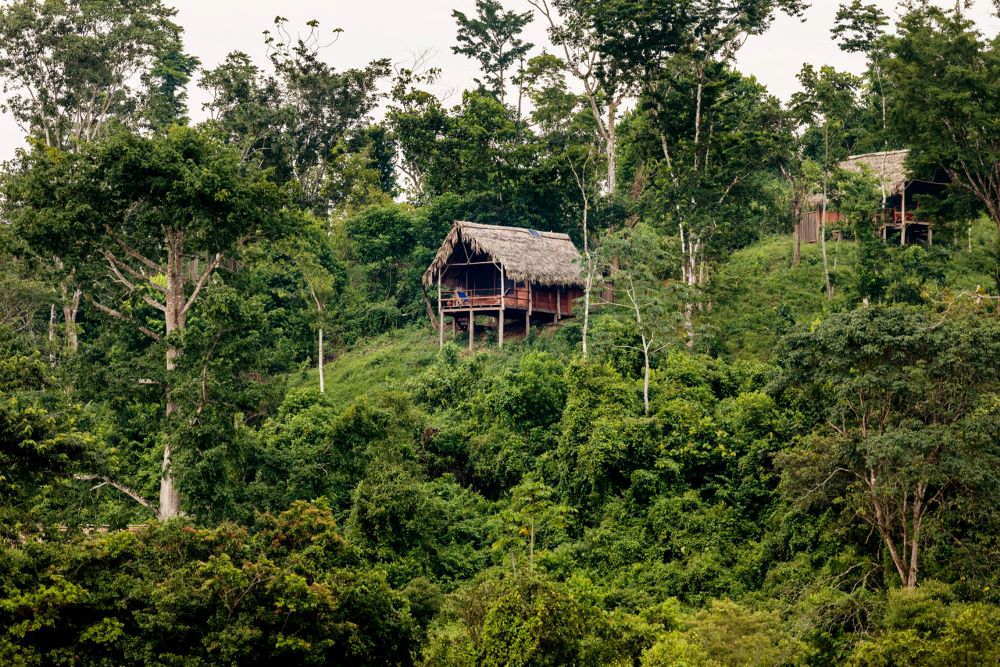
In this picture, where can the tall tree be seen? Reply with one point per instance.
(905, 402)
(149, 221)
(637, 261)
(827, 99)
(860, 28)
(532, 511)
(940, 60)
(570, 132)
(70, 68)
(492, 37)
(165, 102)
(292, 121)
(416, 119)
(605, 88)
(679, 52)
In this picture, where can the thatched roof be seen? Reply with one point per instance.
(889, 165)
(543, 258)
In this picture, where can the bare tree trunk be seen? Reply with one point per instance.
(822, 220)
(611, 146)
(689, 274)
(70, 310)
(582, 185)
(797, 202)
(170, 500)
(918, 514)
(429, 307)
(52, 335)
(319, 316)
(319, 362)
(645, 375)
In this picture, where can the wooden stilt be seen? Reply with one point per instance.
(503, 306)
(558, 303)
(902, 222)
(472, 328)
(527, 316)
(440, 315)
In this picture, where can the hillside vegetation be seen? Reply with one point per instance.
(229, 434)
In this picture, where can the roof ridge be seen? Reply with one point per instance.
(523, 230)
(874, 153)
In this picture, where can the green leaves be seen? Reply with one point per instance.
(896, 393)
(941, 59)
(72, 67)
(492, 38)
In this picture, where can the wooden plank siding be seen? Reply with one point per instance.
(810, 224)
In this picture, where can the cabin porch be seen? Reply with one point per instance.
(512, 276)
(906, 228)
(514, 309)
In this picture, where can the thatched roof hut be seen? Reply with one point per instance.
(541, 258)
(890, 166)
(902, 194)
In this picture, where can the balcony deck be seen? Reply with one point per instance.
(516, 299)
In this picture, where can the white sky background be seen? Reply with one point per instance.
(398, 29)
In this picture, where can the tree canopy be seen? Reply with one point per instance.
(238, 426)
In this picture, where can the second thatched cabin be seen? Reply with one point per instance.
(503, 273)
(902, 221)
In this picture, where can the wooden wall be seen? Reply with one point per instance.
(809, 224)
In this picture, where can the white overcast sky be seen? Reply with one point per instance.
(398, 29)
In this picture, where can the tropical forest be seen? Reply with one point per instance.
(610, 355)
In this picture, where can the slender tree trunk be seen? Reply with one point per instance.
(70, 309)
(796, 216)
(689, 274)
(170, 500)
(918, 514)
(611, 146)
(822, 225)
(52, 335)
(645, 375)
(319, 363)
(581, 183)
(319, 316)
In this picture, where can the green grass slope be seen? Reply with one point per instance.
(384, 362)
(757, 296)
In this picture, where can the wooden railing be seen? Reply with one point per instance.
(911, 216)
(513, 298)
(478, 298)
(895, 217)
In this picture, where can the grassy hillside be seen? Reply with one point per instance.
(387, 361)
(757, 296)
(383, 362)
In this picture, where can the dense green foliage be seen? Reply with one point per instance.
(747, 452)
